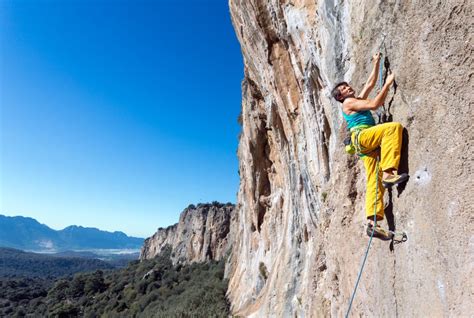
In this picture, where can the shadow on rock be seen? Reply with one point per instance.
(404, 164)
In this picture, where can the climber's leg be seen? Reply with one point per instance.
(389, 137)
(371, 199)
(374, 198)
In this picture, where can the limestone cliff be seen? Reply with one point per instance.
(200, 235)
(299, 229)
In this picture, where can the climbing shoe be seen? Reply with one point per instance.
(395, 179)
(379, 232)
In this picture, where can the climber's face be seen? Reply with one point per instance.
(345, 91)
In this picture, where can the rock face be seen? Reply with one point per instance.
(300, 220)
(200, 235)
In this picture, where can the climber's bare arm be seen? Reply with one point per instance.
(351, 105)
(372, 80)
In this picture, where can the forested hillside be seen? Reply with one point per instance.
(151, 288)
(24, 264)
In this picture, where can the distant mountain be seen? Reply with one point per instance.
(28, 234)
(17, 263)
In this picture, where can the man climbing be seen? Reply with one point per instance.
(371, 141)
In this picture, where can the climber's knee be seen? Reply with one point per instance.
(396, 126)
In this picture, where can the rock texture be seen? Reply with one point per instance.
(299, 228)
(200, 235)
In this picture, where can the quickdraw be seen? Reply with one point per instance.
(398, 237)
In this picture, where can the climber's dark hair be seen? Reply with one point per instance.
(335, 91)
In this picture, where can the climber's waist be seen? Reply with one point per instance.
(360, 127)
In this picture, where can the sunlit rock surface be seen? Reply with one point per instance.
(299, 230)
(200, 235)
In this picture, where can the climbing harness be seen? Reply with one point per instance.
(352, 143)
(359, 150)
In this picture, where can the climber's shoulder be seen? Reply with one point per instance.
(357, 104)
(348, 105)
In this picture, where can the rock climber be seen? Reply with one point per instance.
(371, 141)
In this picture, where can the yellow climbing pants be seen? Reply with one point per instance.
(388, 137)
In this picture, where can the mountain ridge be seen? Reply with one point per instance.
(27, 233)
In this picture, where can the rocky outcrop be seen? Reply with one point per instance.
(299, 227)
(200, 235)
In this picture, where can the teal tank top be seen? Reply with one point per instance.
(359, 118)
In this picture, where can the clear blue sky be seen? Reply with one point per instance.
(117, 114)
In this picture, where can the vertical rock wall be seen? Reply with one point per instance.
(299, 230)
(200, 235)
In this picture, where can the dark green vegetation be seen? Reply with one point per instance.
(19, 295)
(23, 264)
(28, 234)
(209, 205)
(151, 288)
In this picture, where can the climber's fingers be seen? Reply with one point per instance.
(376, 57)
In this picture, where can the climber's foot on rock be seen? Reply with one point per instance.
(379, 232)
(394, 179)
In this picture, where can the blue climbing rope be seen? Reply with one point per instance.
(381, 64)
(370, 240)
(381, 79)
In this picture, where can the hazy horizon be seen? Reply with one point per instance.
(2, 213)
